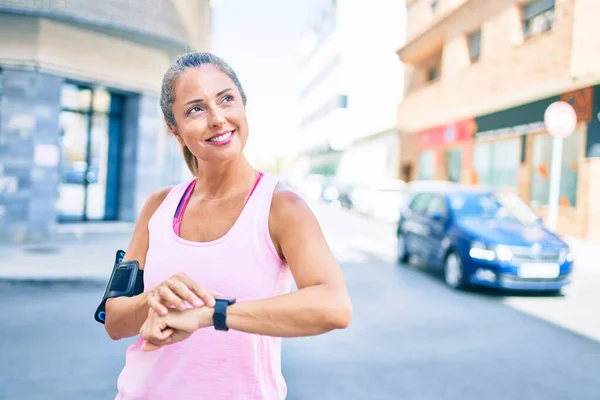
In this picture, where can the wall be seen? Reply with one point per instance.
(159, 20)
(58, 48)
(510, 71)
(28, 186)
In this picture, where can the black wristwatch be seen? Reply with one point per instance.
(220, 314)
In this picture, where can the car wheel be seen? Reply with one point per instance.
(454, 273)
(403, 255)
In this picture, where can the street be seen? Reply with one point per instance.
(410, 338)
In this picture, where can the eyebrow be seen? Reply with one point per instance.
(201, 100)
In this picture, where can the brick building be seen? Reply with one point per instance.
(81, 133)
(479, 76)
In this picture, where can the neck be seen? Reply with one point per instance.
(224, 180)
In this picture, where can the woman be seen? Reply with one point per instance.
(230, 232)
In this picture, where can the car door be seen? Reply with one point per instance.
(437, 220)
(414, 226)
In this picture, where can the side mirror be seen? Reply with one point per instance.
(439, 217)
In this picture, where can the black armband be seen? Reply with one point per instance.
(127, 279)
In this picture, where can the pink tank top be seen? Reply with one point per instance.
(243, 264)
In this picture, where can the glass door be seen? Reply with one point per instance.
(90, 127)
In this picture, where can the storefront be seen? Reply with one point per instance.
(82, 137)
(445, 152)
(513, 150)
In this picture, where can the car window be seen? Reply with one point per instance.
(419, 203)
(437, 205)
(492, 206)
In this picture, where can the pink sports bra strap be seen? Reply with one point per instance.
(185, 199)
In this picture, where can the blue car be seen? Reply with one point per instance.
(482, 237)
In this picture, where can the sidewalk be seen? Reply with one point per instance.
(86, 252)
(78, 253)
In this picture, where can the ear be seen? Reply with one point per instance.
(173, 131)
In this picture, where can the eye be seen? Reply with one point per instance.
(194, 110)
(227, 99)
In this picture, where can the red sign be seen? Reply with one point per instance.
(445, 134)
(582, 101)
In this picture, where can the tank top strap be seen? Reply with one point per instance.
(166, 210)
(257, 214)
(262, 196)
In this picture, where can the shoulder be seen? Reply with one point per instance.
(290, 215)
(140, 239)
(287, 204)
(153, 201)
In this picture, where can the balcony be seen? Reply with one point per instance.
(448, 23)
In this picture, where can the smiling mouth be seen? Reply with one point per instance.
(221, 138)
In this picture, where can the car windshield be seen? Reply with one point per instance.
(504, 206)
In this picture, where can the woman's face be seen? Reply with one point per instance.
(209, 114)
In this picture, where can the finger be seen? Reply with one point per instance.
(181, 289)
(163, 336)
(168, 298)
(155, 304)
(158, 337)
(205, 296)
(147, 346)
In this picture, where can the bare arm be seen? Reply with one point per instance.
(125, 315)
(321, 303)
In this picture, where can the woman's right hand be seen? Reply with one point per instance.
(181, 292)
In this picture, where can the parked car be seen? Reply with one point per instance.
(380, 199)
(484, 237)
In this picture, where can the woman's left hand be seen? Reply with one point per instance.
(173, 327)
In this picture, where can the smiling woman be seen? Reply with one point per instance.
(220, 253)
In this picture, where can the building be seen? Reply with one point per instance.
(480, 75)
(82, 137)
(350, 81)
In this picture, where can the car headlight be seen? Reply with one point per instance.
(480, 251)
(504, 253)
(566, 255)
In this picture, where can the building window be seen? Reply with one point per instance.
(454, 164)
(496, 164)
(434, 6)
(538, 17)
(542, 159)
(475, 45)
(427, 165)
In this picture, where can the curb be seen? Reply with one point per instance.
(78, 281)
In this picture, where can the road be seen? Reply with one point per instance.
(410, 338)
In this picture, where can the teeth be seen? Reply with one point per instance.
(221, 138)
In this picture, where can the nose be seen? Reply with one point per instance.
(217, 118)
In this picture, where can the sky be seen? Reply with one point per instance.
(260, 39)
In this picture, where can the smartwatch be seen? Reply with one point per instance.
(220, 314)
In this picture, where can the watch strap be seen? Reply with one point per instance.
(220, 314)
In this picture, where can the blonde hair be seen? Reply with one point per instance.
(190, 160)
